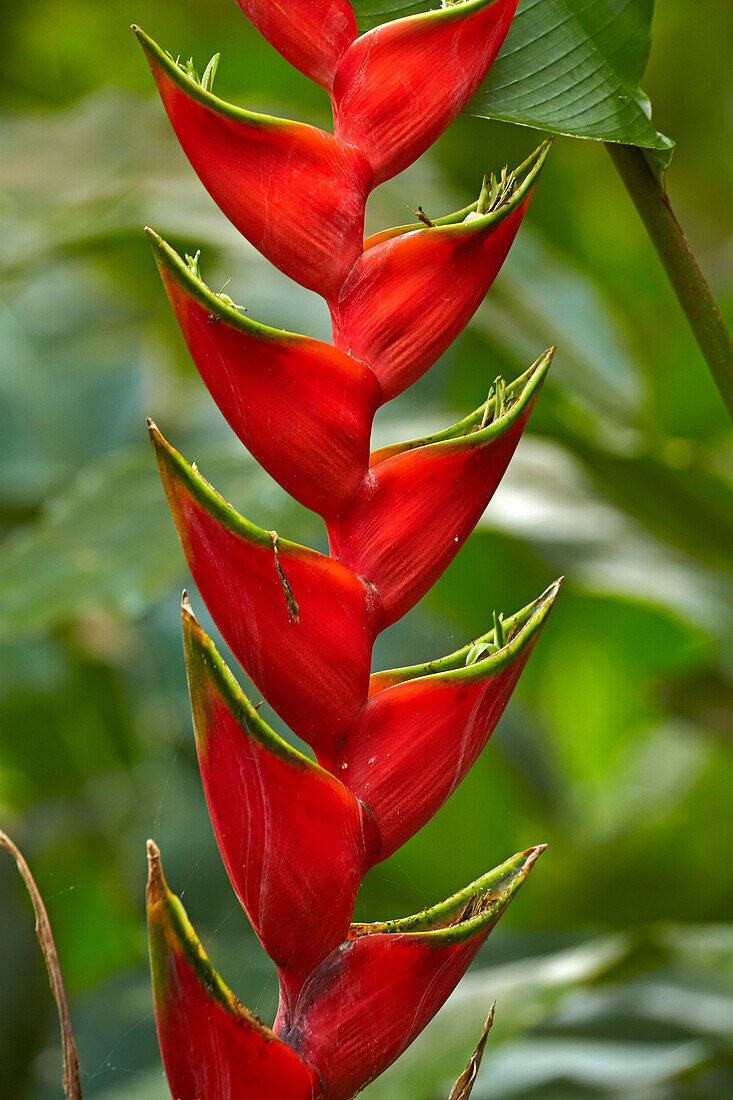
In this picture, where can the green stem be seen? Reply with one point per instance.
(668, 237)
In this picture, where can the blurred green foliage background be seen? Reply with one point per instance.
(614, 968)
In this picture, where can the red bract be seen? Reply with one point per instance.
(212, 1047)
(302, 408)
(414, 289)
(313, 36)
(423, 728)
(370, 998)
(296, 193)
(273, 812)
(419, 501)
(300, 624)
(297, 836)
(402, 84)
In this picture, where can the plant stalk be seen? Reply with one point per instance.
(668, 237)
(72, 1084)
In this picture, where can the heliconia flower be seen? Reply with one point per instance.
(212, 1047)
(423, 728)
(373, 996)
(399, 86)
(300, 624)
(420, 500)
(298, 836)
(414, 288)
(275, 812)
(313, 37)
(366, 1002)
(295, 192)
(302, 408)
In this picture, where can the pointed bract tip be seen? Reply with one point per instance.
(162, 251)
(160, 443)
(140, 35)
(542, 363)
(531, 856)
(542, 149)
(551, 592)
(156, 882)
(188, 619)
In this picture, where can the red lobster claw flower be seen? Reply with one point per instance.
(302, 408)
(275, 812)
(212, 1047)
(374, 995)
(423, 728)
(313, 36)
(301, 625)
(402, 84)
(420, 500)
(414, 288)
(297, 836)
(296, 193)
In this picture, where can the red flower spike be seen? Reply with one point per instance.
(300, 624)
(373, 996)
(296, 193)
(302, 408)
(402, 84)
(212, 1047)
(413, 291)
(420, 501)
(313, 37)
(423, 728)
(275, 812)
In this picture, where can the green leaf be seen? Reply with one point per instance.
(567, 67)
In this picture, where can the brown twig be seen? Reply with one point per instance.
(290, 601)
(72, 1085)
(422, 216)
(464, 1085)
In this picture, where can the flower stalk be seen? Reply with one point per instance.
(673, 248)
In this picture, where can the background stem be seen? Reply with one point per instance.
(674, 250)
(72, 1085)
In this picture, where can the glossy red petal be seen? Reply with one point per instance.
(275, 813)
(313, 36)
(296, 193)
(402, 84)
(212, 1047)
(301, 625)
(301, 407)
(412, 292)
(372, 997)
(423, 728)
(419, 502)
